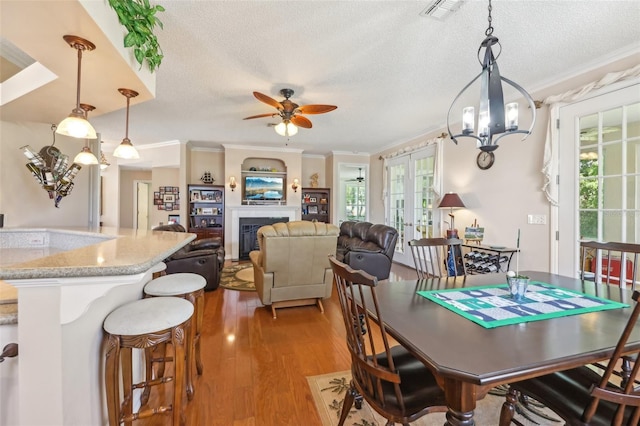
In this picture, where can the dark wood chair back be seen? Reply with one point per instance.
(582, 397)
(610, 263)
(394, 383)
(438, 257)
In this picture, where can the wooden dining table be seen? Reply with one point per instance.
(469, 359)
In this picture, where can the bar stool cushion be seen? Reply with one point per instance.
(148, 316)
(175, 284)
(158, 267)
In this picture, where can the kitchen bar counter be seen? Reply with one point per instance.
(68, 281)
(55, 253)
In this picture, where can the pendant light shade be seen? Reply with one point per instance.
(85, 156)
(126, 150)
(76, 124)
(103, 161)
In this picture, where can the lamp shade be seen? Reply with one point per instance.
(126, 151)
(85, 157)
(451, 200)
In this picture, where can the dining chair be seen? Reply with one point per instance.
(438, 257)
(580, 395)
(610, 263)
(392, 381)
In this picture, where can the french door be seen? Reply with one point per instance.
(411, 199)
(599, 163)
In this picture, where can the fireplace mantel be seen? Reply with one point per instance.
(236, 212)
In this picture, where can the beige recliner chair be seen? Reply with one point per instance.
(292, 266)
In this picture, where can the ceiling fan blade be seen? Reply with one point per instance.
(301, 121)
(260, 116)
(316, 109)
(268, 100)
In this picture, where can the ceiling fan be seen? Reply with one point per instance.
(359, 179)
(290, 112)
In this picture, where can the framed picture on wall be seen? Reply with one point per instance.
(174, 218)
(168, 206)
(169, 198)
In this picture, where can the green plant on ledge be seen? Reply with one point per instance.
(139, 18)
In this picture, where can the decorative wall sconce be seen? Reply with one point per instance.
(125, 149)
(85, 156)
(76, 124)
(232, 183)
(494, 118)
(295, 185)
(49, 168)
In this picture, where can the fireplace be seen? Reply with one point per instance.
(248, 238)
(235, 213)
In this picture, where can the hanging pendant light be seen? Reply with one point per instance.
(125, 149)
(76, 124)
(286, 128)
(103, 161)
(494, 118)
(85, 156)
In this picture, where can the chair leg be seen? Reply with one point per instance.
(178, 341)
(625, 371)
(319, 303)
(112, 379)
(199, 314)
(347, 403)
(273, 311)
(508, 408)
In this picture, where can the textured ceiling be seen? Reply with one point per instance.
(392, 73)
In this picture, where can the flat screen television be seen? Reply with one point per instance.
(263, 188)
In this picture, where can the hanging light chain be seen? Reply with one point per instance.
(489, 30)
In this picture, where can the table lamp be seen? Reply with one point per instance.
(451, 201)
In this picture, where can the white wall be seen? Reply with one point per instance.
(22, 199)
(500, 198)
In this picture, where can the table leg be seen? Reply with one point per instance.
(461, 400)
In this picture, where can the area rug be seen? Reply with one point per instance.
(238, 277)
(328, 392)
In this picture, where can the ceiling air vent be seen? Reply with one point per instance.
(441, 9)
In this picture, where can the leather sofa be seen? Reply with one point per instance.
(363, 245)
(203, 257)
(292, 266)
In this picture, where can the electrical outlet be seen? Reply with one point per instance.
(537, 219)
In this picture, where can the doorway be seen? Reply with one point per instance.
(599, 173)
(411, 199)
(353, 187)
(142, 194)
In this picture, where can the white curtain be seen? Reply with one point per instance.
(550, 165)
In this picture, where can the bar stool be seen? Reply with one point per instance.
(158, 270)
(190, 287)
(141, 325)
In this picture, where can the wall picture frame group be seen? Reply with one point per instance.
(167, 198)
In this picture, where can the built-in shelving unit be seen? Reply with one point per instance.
(206, 211)
(316, 204)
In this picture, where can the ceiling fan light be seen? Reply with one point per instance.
(126, 151)
(85, 157)
(286, 129)
(76, 126)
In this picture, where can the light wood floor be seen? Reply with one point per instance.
(255, 367)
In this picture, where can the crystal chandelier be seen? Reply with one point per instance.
(494, 118)
(49, 169)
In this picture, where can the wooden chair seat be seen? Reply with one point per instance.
(392, 381)
(581, 396)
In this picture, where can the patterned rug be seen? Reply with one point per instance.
(238, 277)
(328, 392)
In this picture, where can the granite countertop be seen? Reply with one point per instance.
(8, 304)
(118, 252)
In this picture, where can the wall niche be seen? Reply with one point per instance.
(264, 181)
